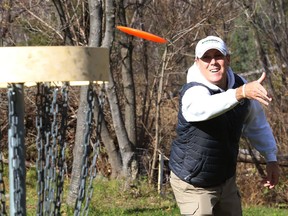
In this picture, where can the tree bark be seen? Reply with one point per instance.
(129, 164)
(95, 39)
(129, 92)
(78, 148)
(114, 156)
(128, 81)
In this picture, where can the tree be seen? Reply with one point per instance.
(268, 19)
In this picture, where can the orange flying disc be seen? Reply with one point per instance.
(142, 34)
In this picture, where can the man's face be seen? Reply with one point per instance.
(213, 65)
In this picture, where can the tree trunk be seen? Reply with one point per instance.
(95, 37)
(128, 80)
(158, 120)
(113, 153)
(125, 146)
(129, 92)
(78, 147)
(129, 164)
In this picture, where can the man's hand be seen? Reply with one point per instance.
(272, 178)
(254, 90)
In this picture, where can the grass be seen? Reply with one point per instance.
(264, 211)
(111, 198)
(140, 199)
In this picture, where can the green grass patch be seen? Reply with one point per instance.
(116, 198)
(264, 211)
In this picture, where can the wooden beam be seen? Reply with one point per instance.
(53, 63)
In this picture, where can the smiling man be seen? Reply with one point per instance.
(216, 108)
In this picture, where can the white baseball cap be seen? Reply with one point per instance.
(210, 42)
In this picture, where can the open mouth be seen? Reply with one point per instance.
(214, 70)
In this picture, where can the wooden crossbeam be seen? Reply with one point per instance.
(53, 63)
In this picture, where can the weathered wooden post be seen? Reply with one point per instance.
(160, 172)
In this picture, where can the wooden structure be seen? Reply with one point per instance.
(25, 66)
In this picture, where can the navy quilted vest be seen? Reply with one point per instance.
(204, 153)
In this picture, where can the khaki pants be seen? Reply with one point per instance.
(223, 200)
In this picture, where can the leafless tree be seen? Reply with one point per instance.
(269, 20)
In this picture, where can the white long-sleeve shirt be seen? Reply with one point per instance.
(199, 105)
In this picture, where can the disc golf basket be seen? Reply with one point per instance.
(52, 70)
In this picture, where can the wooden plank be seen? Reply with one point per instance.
(53, 63)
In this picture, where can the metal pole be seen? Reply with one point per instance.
(17, 171)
